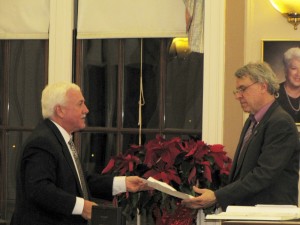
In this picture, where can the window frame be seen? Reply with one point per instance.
(119, 130)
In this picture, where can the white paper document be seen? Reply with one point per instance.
(258, 212)
(165, 188)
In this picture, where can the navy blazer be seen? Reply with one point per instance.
(269, 171)
(47, 182)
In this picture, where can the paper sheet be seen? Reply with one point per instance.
(165, 188)
(259, 212)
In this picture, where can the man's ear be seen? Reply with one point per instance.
(59, 111)
(264, 87)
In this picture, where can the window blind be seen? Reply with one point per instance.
(24, 19)
(130, 19)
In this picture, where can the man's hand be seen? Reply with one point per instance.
(207, 198)
(87, 209)
(135, 183)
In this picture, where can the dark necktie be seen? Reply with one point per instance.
(79, 169)
(247, 135)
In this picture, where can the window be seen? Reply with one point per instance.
(109, 74)
(23, 75)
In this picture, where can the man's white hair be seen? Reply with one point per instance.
(55, 94)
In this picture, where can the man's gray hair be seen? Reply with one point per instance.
(260, 72)
(53, 95)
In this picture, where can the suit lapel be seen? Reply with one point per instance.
(65, 152)
(234, 169)
(240, 159)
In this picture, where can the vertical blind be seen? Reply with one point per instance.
(130, 18)
(24, 19)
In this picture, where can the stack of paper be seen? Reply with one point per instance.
(258, 212)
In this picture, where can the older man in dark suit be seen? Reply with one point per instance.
(51, 188)
(266, 164)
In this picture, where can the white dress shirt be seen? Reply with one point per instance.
(119, 183)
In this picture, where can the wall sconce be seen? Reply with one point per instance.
(180, 47)
(289, 9)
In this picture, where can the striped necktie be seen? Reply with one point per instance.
(79, 169)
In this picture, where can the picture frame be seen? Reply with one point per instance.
(272, 53)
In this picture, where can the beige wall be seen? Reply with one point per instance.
(234, 58)
(263, 22)
(248, 22)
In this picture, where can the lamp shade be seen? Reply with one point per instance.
(286, 6)
(289, 9)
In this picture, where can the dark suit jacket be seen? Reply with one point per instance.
(47, 182)
(268, 173)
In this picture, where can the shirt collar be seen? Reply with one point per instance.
(63, 132)
(260, 114)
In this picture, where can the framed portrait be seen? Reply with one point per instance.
(273, 53)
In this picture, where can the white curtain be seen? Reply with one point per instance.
(130, 18)
(195, 24)
(24, 19)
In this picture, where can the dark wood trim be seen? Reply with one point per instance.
(3, 153)
(162, 87)
(136, 130)
(46, 62)
(5, 82)
(120, 81)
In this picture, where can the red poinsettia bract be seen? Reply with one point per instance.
(122, 164)
(161, 149)
(163, 173)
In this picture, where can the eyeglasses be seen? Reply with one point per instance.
(242, 89)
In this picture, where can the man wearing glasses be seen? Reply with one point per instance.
(266, 163)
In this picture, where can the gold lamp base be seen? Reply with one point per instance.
(293, 18)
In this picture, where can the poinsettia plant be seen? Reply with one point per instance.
(179, 163)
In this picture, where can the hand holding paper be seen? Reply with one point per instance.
(206, 199)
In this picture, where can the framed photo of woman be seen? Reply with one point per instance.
(284, 58)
